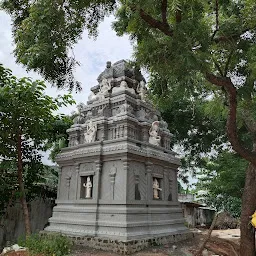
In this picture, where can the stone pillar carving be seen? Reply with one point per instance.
(175, 187)
(149, 181)
(77, 169)
(166, 141)
(165, 185)
(59, 183)
(125, 130)
(136, 184)
(125, 171)
(97, 179)
(68, 180)
(104, 132)
(144, 133)
(171, 191)
(112, 175)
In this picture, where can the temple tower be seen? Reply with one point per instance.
(118, 177)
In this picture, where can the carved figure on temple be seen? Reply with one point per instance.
(90, 134)
(105, 86)
(125, 108)
(73, 141)
(79, 119)
(141, 114)
(92, 97)
(142, 90)
(88, 186)
(88, 114)
(101, 110)
(156, 189)
(154, 138)
(123, 87)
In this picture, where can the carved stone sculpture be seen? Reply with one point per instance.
(154, 138)
(73, 141)
(92, 97)
(79, 119)
(88, 186)
(142, 90)
(89, 114)
(105, 86)
(90, 134)
(101, 110)
(125, 108)
(141, 114)
(123, 87)
(156, 189)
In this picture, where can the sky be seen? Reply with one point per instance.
(91, 54)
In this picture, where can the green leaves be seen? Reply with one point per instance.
(45, 32)
(223, 179)
(48, 245)
(25, 109)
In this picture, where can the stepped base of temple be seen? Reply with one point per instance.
(130, 246)
(119, 228)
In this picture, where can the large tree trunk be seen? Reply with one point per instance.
(247, 242)
(22, 189)
(247, 245)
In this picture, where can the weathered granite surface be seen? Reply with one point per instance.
(121, 143)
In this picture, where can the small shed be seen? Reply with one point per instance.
(195, 213)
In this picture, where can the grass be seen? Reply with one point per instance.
(47, 245)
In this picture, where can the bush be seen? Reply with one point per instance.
(48, 245)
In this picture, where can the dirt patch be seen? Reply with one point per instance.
(223, 247)
(21, 253)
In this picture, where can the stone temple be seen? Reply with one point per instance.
(118, 179)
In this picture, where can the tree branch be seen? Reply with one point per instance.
(217, 14)
(217, 66)
(229, 87)
(250, 124)
(199, 252)
(164, 11)
(227, 63)
(162, 26)
(230, 37)
(216, 19)
(178, 16)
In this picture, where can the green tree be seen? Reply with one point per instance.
(187, 43)
(58, 137)
(46, 30)
(26, 117)
(194, 44)
(223, 181)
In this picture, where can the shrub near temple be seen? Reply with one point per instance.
(47, 245)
